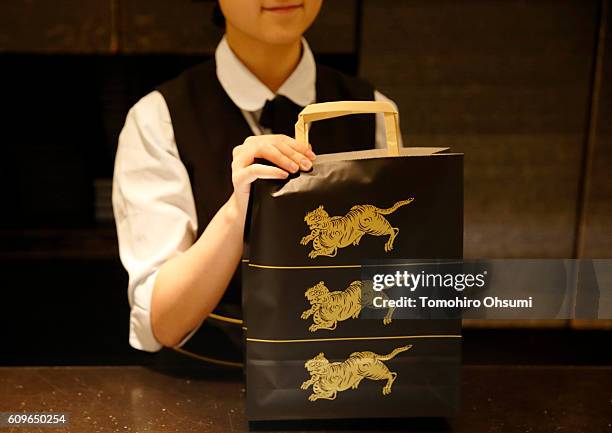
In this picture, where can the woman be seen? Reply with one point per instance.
(187, 156)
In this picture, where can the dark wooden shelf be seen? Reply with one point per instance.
(81, 243)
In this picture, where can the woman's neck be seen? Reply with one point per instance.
(272, 64)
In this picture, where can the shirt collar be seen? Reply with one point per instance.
(250, 94)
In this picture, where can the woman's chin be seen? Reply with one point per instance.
(279, 35)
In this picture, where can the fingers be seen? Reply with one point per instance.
(281, 150)
(298, 152)
(303, 148)
(287, 154)
(249, 174)
(257, 149)
(279, 156)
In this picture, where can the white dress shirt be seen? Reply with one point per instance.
(153, 203)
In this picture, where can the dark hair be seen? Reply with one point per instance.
(217, 16)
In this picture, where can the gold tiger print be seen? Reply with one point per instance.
(330, 233)
(328, 308)
(329, 378)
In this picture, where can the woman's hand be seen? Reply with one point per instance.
(288, 154)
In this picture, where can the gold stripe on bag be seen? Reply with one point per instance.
(378, 265)
(254, 265)
(386, 337)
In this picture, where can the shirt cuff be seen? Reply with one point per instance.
(141, 330)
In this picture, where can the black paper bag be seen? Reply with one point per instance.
(309, 355)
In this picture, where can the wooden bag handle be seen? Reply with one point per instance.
(328, 110)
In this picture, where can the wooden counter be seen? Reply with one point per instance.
(140, 399)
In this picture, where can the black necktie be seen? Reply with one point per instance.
(280, 115)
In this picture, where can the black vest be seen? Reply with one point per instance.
(207, 126)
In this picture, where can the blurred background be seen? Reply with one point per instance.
(524, 88)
